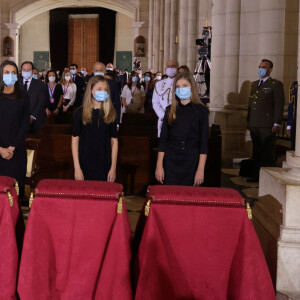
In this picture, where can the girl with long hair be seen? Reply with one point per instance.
(94, 140)
(69, 90)
(183, 141)
(14, 123)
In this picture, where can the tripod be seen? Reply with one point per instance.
(199, 75)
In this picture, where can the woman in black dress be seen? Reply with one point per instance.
(14, 124)
(183, 141)
(94, 140)
(55, 93)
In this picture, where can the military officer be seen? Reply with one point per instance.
(292, 113)
(162, 95)
(265, 110)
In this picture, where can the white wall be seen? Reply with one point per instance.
(123, 34)
(34, 36)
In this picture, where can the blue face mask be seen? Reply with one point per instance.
(10, 79)
(109, 69)
(135, 79)
(147, 78)
(262, 72)
(72, 72)
(82, 72)
(26, 75)
(98, 73)
(101, 96)
(183, 93)
(34, 76)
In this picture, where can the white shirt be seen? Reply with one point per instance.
(28, 82)
(162, 97)
(69, 92)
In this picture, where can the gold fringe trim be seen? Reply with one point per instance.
(10, 198)
(30, 200)
(147, 208)
(120, 205)
(249, 211)
(17, 188)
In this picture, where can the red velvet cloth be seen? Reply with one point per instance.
(198, 243)
(76, 245)
(8, 245)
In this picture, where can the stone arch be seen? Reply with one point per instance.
(21, 14)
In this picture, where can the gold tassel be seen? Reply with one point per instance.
(147, 208)
(249, 211)
(17, 188)
(120, 205)
(30, 200)
(10, 198)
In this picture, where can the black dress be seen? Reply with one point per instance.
(94, 144)
(54, 96)
(14, 125)
(183, 142)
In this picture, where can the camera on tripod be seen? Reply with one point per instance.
(203, 44)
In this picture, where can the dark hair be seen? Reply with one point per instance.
(27, 62)
(185, 68)
(17, 94)
(74, 65)
(267, 60)
(129, 83)
(47, 79)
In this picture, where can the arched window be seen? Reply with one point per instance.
(140, 46)
(8, 46)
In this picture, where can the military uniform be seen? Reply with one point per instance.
(292, 112)
(266, 103)
(162, 97)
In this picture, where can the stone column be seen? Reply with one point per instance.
(232, 48)
(192, 31)
(173, 30)
(167, 32)
(150, 35)
(161, 33)
(156, 37)
(183, 32)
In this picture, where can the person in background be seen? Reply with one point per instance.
(55, 93)
(99, 69)
(265, 110)
(183, 143)
(79, 84)
(94, 140)
(149, 84)
(69, 89)
(158, 76)
(109, 67)
(37, 92)
(14, 124)
(133, 95)
(162, 95)
(292, 113)
(35, 74)
(184, 68)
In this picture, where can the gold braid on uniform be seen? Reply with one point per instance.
(168, 89)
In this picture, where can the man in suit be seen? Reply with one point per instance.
(79, 84)
(38, 93)
(265, 110)
(99, 69)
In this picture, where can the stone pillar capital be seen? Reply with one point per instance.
(10, 26)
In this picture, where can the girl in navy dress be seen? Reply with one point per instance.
(94, 140)
(183, 143)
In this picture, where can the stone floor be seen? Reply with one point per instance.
(230, 179)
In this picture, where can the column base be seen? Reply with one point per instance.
(286, 190)
(287, 296)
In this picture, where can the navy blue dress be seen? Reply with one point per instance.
(14, 125)
(94, 144)
(183, 142)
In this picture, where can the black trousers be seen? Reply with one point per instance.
(263, 154)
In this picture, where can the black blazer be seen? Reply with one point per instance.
(38, 101)
(115, 97)
(79, 89)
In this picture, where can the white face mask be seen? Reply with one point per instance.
(67, 78)
(158, 77)
(51, 78)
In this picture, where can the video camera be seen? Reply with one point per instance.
(202, 44)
